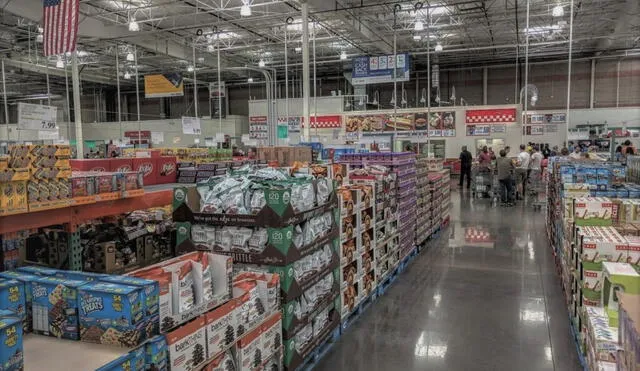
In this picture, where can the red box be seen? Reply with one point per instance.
(167, 170)
(90, 165)
(149, 169)
(121, 165)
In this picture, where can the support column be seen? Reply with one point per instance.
(485, 84)
(592, 89)
(75, 79)
(306, 88)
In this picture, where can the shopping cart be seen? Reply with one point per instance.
(537, 189)
(483, 182)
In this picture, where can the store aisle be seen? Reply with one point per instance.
(484, 296)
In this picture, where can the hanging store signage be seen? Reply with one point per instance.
(165, 85)
(37, 117)
(380, 69)
(292, 122)
(258, 127)
(491, 116)
(191, 125)
(325, 122)
(547, 118)
(216, 90)
(498, 129)
(537, 130)
(134, 134)
(434, 124)
(478, 130)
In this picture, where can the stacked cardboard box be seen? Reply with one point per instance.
(629, 332)
(285, 156)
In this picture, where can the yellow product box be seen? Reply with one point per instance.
(4, 162)
(38, 191)
(14, 197)
(14, 175)
(18, 162)
(18, 150)
(50, 173)
(49, 161)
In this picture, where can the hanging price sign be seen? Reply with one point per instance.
(37, 117)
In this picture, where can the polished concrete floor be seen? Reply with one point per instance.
(483, 296)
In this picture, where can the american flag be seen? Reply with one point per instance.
(60, 26)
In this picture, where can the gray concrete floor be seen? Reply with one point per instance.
(465, 305)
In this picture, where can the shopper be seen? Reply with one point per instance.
(505, 169)
(465, 166)
(507, 149)
(484, 159)
(576, 154)
(618, 153)
(535, 163)
(554, 151)
(521, 170)
(493, 155)
(546, 152)
(564, 151)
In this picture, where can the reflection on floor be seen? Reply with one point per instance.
(484, 296)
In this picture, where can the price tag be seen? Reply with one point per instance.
(37, 117)
(191, 125)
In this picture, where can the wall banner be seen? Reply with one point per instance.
(435, 124)
(491, 116)
(165, 85)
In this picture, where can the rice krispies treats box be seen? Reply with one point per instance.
(150, 300)
(187, 345)
(122, 363)
(12, 298)
(111, 314)
(156, 353)
(26, 279)
(38, 271)
(221, 326)
(11, 351)
(81, 276)
(55, 307)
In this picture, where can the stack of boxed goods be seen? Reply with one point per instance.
(357, 242)
(285, 156)
(270, 222)
(423, 204)
(198, 155)
(386, 226)
(153, 168)
(628, 358)
(34, 177)
(403, 164)
(191, 172)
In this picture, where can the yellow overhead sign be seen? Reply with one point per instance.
(165, 85)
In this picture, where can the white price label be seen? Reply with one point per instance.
(36, 117)
(191, 125)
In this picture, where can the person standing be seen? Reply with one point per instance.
(535, 163)
(521, 170)
(505, 169)
(576, 154)
(465, 166)
(484, 158)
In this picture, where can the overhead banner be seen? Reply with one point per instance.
(435, 124)
(325, 122)
(165, 85)
(491, 116)
(37, 117)
(380, 69)
(191, 125)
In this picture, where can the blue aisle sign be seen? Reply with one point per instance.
(379, 69)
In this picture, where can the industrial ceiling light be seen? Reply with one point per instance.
(245, 10)
(59, 63)
(127, 75)
(261, 63)
(190, 68)
(130, 57)
(558, 11)
(438, 47)
(211, 48)
(40, 37)
(419, 26)
(298, 49)
(250, 80)
(417, 37)
(133, 25)
(343, 55)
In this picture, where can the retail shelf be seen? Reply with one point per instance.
(76, 214)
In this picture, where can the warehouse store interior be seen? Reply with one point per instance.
(319, 185)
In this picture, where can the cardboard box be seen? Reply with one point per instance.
(221, 325)
(156, 353)
(120, 164)
(55, 307)
(90, 165)
(14, 197)
(618, 277)
(629, 331)
(188, 346)
(26, 280)
(148, 168)
(13, 298)
(166, 170)
(11, 351)
(249, 351)
(593, 211)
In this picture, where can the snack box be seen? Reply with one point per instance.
(111, 314)
(187, 346)
(138, 359)
(12, 298)
(224, 362)
(37, 270)
(122, 363)
(221, 324)
(11, 351)
(156, 353)
(26, 279)
(81, 276)
(593, 211)
(618, 277)
(150, 299)
(55, 307)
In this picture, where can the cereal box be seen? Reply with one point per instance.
(11, 352)
(156, 353)
(55, 307)
(221, 328)
(26, 279)
(12, 298)
(111, 314)
(187, 346)
(123, 363)
(150, 300)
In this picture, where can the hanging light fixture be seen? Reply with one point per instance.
(250, 80)
(393, 99)
(40, 37)
(343, 55)
(133, 25)
(59, 63)
(375, 98)
(423, 98)
(190, 68)
(261, 63)
(245, 10)
(558, 11)
(130, 57)
(419, 26)
(438, 47)
(417, 37)
(298, 49)
(127, 75)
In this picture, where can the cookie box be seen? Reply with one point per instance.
(111, 314)
(11, 351)
(55, 307)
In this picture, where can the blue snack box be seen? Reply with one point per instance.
(55, 307)
(150, 299)
(81, 276)
(4, 313)
(12, 298)
(26, 279)
(157, 353)
(111, 314)
(123, 363)
(37, 270)
(11, 351)
(138, 359)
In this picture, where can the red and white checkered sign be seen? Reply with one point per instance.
(325, 122)
(491, 116)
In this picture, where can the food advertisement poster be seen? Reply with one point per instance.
(380, 69)
(435, 124)
(166, 85)
(478, 130)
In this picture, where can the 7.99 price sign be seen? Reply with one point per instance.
(36, 117)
